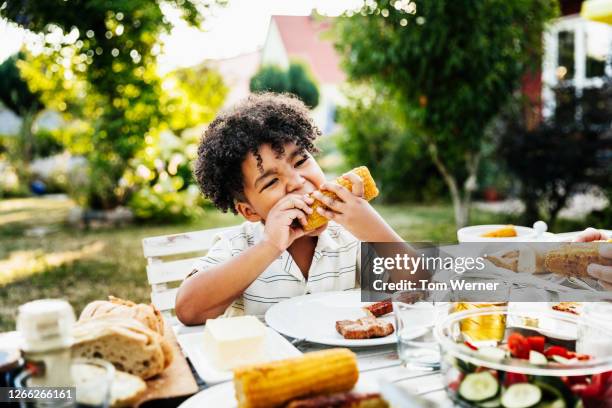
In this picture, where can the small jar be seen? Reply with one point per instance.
(46, 326)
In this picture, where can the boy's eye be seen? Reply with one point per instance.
(269, 184)
(302, 161)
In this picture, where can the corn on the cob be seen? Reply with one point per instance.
(274, 384)
(370, 191)
(504, 232)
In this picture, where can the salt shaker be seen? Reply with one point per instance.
(46, 328)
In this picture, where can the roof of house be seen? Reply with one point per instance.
(301, 36)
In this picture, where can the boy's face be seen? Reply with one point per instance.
(295, 172)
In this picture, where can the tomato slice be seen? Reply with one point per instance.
(518, 346)
(557, 351)
(536, 343)
(513, 378)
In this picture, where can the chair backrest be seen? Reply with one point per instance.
(169, 260)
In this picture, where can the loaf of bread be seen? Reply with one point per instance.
(148, 315)
(127, 343)
(126, 388)
(572, 259)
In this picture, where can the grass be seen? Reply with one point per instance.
(82, 266)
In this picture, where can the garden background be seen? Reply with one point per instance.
(466, 112)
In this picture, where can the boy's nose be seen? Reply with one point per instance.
(295, 183)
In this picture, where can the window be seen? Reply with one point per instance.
(578, 58)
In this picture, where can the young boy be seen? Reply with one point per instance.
(256, 160)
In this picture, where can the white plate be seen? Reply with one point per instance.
(277, 348)
(313, 317)
(223, 395)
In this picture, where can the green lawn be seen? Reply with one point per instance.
(85, 265)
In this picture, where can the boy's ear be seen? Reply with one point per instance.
(247, 211)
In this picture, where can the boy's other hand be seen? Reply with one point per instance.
(349, 209)
(279, 229)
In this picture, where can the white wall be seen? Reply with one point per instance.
(273, 52)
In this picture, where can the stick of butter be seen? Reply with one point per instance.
(235, 341)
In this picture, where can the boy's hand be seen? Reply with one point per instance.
(278, 229)
(350, 209)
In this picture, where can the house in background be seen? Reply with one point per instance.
(302, 39)
(237, 72)
(577, 61)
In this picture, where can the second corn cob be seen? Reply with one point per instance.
(274, 384)
(315, 220)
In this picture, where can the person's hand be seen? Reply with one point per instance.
(349, 209)
(280, 229)
(591, 234)
(603, 273)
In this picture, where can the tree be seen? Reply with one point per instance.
(108, 58)
(562, 156)
(455, 65)
(295, 80)
(301, 85)
(16, 96)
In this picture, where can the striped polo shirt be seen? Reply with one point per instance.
(335, 266)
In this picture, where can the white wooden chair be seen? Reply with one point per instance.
(169, 259)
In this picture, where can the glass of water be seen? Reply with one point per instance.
(416, 314)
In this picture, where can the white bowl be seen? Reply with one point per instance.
(475, 232)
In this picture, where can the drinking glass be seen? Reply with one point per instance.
(415, 316)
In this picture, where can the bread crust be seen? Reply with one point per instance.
(147, 314)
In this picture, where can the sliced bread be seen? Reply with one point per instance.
(127, 343)
(126, 388)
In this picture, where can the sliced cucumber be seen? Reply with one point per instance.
(549, 392)
(492, 403)
(558, 403)
(521, 395)
(537, 358)
(491, 353)
(478, 386)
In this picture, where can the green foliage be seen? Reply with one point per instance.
(104, 70)
(14, 91)
(455, 64)
(301, 85)
(270, 78)
(561, 157)
(160, 178)
(375, 134)
(295, 80)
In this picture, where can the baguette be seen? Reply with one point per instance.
(370, 191)
(125, 342)
(573, 259)
(149, 315)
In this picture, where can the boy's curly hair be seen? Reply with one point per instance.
(267, 118)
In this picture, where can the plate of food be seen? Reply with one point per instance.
(504, 233)
(317, 379)
(334, 318)
(227, 343)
